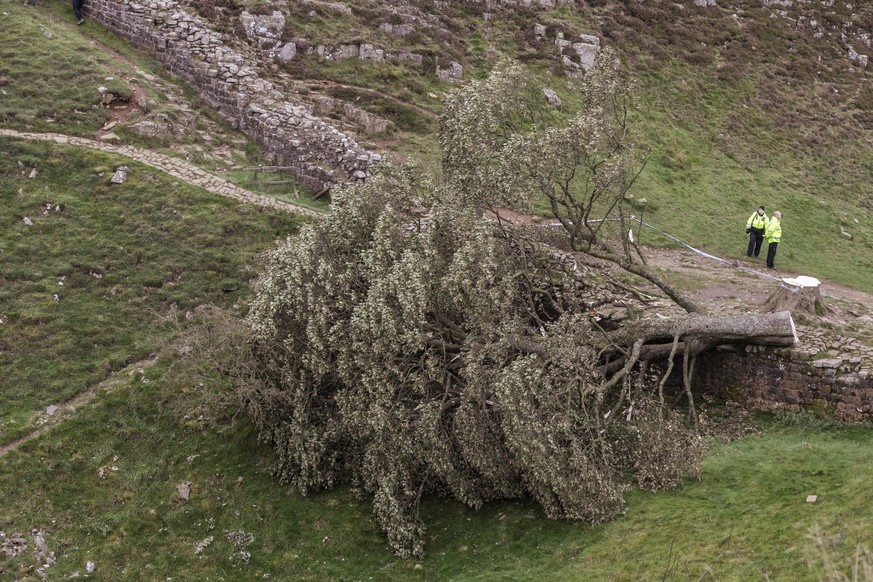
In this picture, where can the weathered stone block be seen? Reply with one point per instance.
(288, 52)
(831, 363)
(369, 52)
(452, 74)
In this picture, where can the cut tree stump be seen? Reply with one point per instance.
(798, 295)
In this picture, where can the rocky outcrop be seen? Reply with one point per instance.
(225, 77)
(552, 97)
(802, 16)
(340, 52)
(535, 4)
(369, 123)
(264, 31)
(160, 125)
(454, 73)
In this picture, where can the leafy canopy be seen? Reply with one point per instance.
(409, 345)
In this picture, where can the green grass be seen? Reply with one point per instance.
(53, 77)
(751, 505)
(75, 61)
(119, 258)
(403, 83)
(745, 519)
(707, 172)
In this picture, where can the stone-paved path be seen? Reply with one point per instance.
(175, 167)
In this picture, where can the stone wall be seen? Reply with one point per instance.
(228, 79)
(772, 379)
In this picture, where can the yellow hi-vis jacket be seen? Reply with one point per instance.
(773, 232)
(758, 221)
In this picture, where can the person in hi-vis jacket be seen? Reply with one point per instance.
(755, 229)
(774, 235)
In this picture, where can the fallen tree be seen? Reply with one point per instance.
(408, 345)
(450, 357)
(689, 336)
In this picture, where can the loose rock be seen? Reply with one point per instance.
(552, 97)
(183, 490)
(120, 175)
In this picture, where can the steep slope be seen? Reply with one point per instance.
(741, 103)
(158, 478)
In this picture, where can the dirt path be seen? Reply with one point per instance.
(746, 285)
(175, 167)
(54, 415)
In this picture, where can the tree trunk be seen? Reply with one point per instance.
(692, 335)
(773, 329)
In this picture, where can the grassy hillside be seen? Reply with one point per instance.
(95, 279)
(55, 76)
(739, 105)
(102, 273)
(135, 259)
(704, 179)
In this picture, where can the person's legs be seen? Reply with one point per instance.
(759, 240)
(771, 254)
(751, 244)
(77, 9)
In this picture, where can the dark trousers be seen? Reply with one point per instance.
(756, 238)
(77, 8)
(771, 254)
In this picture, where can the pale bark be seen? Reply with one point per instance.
(772, 329)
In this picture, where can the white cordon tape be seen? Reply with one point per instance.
(792, 285)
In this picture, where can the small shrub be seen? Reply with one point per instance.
(206, 362)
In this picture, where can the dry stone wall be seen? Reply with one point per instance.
(227, 78)
(832, 373)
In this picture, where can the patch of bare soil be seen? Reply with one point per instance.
(745, 286)
(120, 110)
